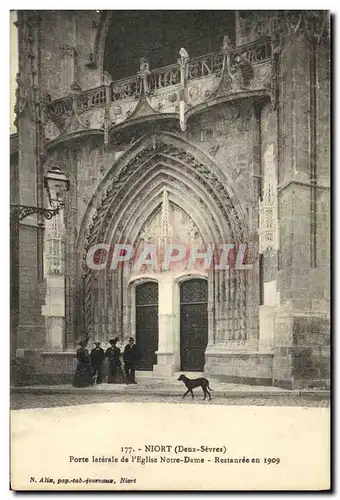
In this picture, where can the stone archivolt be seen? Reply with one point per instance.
(132, 194)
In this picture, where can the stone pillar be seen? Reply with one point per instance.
(302, 322)
(54, 308)
(68, 67)
(166, 317)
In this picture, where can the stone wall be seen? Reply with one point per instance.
(68, 39)
(241, 368)
(252, 25)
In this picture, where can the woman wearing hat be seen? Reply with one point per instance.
(83, 374)
(116, 375)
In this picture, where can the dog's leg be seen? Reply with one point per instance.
(185, 393)
(204, 392)
(209, 395)
(192, 394)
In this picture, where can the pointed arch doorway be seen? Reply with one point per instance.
(164, 190)
(193, 324)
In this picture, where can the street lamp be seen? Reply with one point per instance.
(56, 184)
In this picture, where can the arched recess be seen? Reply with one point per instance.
(125, 200)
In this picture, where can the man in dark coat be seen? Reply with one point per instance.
(130, 358)
(97, 358)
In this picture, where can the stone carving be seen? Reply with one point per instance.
(91, 63)
(21, 96)
(213, 150)
(169, 224)
(75, 88)
(242, 73)
(183, 62)
(262, 76)
(117, 110)
(144, 73)
(194, 93)
(54, 255)
(184, 56)
(67, 50)
(237, 172)
(268, 240)
(236, 72)
(227, 46)
(172, 97)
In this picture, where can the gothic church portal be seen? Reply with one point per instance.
(199, 139)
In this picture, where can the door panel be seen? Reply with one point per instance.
(194, 324)
(147, 324)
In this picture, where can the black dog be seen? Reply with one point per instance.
(196, 382)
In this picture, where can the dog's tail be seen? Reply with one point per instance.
(210, 389)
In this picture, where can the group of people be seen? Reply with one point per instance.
(90, 367)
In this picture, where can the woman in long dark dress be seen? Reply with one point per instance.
(116, 375)
(83, 374)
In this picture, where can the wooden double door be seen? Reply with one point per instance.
(193, 324)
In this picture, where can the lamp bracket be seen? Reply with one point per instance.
(23, 211)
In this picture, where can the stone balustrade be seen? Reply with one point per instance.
(178, 89)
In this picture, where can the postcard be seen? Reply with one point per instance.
(170, 250)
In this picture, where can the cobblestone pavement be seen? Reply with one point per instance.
(21, 400)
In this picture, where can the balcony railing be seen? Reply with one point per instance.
(128, 87)
(157, 79)
(164, 77)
